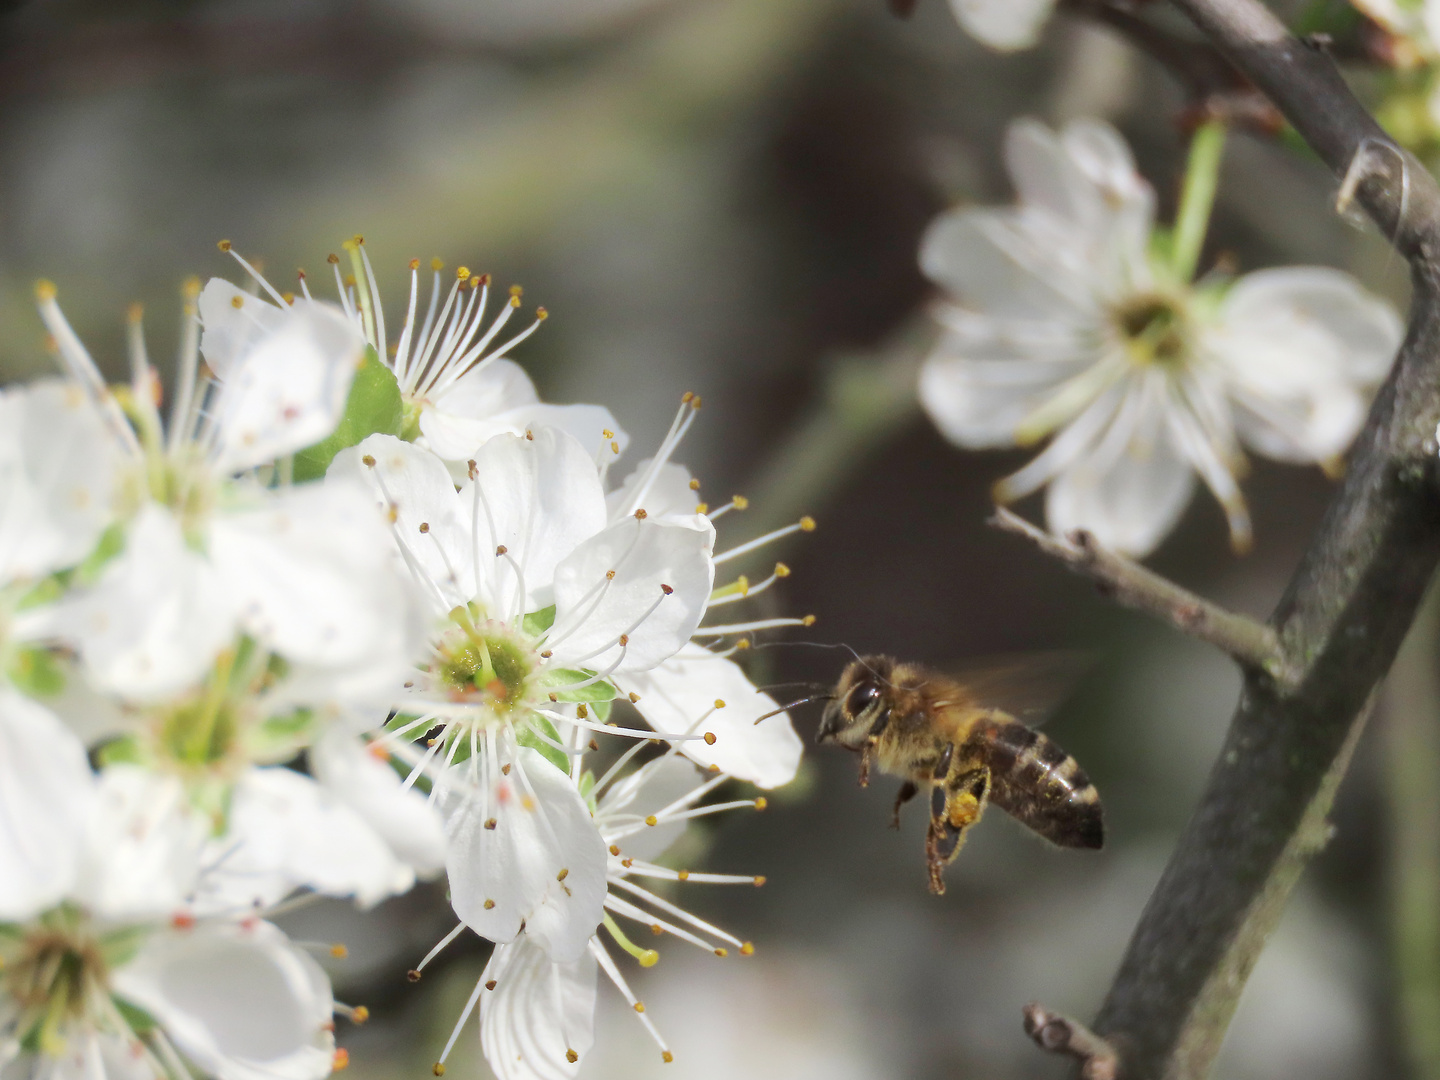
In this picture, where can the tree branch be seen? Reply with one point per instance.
(1253, 644)
(1340, 622)
(1059, 1034)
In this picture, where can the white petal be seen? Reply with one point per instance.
(238, 999)
(46, 796)
(648, 790)
(431, 524)
(59, 466)
(1003, 24)
(539, 498)
(537, 1011)
(157, 617)
(670, 494)
(456, 421)
(288, 390)
(312, 576)
(677, 693)
(593, 611)
(542, 828)
(95, 1056)
(979, 404)
(401, 816)
(233, 320)
(594, 426)
(142, 846)
(286, 831)
(1129, 500)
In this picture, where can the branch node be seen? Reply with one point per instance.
(1056, 1033)
(1253, 644)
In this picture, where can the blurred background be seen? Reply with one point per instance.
(725, 196)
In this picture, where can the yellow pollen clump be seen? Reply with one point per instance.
(640, 1005)
(614, 849)
(683, 875)
(462, 273)
(694, 485)
(437, 263)
(338, 951)
(541, 314)
(807, 524)
(651, 819)
(760, 803)
(695, 402)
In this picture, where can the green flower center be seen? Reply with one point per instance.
(1155, 330)
(484, 662)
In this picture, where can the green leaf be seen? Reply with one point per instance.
(36, 672)
(112, 543)
(537, 622)
(280, 737)
(526, 737)
(122, 751)
(600, 710)
(140, 1021)
(374, 407)
(554, 678)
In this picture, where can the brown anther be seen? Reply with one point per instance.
(414, 264)
(546, 655)
(627, 863)
(333, 259)
(500, 550)
(594, 746)
(413, 975)
(471, 469)
(722, 953)
(614, 849)
(505, 769)
(483, 279)
(759, 880)
(709, 738)
(582, 711)
(529, 435)
(634, 697)
(424, 526)
(489, 984)
(624, 640)
(562, 875)
(641, 515)
(490, 823)
(223, 245)
(571, 1056)
(609, 575)
(489, 904)
(666, 589)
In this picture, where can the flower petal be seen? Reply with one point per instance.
(614, 585)
(233, 321)
(238, 999)
(401, 816)
(289, 388)
(537, 1012)
(541, 865)
(47, 794)
(539, 497)
(672, 493)
(457, 421)
(676, 694)
(648, 790)
(286, 831)
(1003, 24)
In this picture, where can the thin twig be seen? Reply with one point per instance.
(1252, 643)
(1346, 610)
(1059, 1034)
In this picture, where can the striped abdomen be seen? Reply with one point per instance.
(1037, 783)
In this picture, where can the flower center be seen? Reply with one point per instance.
(1155, 330)
(484, 662)
(57, 970)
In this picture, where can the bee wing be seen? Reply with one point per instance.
(1027, 685)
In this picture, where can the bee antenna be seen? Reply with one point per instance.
(800, 701)
(812, 644)
(797, 682)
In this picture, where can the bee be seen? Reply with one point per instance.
(948, 734)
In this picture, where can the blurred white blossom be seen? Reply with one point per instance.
(1004, 24)
(1066, 320)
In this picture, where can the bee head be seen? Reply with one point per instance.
(858, 701)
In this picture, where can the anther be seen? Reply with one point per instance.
(743, 643)
(562, 875)
(517, 291)
(808, 620)
(546, 655)
(624, 640)
(571, 1056)
(694, 485)
(683, 875)
(288, 297)
(490, 823)
(471, 468)
(614, 849)
(761, 803)
(341, 1060)
(554, 696)
(695, 402)
(44, 290)
(489, 984)
(489, 904)
(581, 710)
(413, 975)
(666, 1056)
(223, 245)
(541, 314)
(634, 697)
(651, 819)
(358, 240)
(714, 768)
(640, 1006)
(740, 501)
(462, 273)
(501, 550)
(594, 746)
(424, 526)
(438, 1069)
(627, 863)
(333, 259)
(505, 769)
(666, 589)
(719, 703)
(722, 953)
(709, 738)
(359, 1014)
(135, 312)
(338, 951)
(641, 515)
(437, 264)
(414, 264)
(609, 575)
(237, 302)
(702, 508)
(747, 949)
(807, 524)
(759, 880)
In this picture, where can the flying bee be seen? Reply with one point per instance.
(950, 735)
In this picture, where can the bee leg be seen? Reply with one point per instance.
(955, 805)
(907, 791)
(865, 752)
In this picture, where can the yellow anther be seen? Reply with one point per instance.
(743, 583)
(516, 291)
(740, 501)
(571, 1056)
(743, 643)
(237, 302)
(368, 461)
(709, 738)
(761, 803)
(414, 264)
(541, 314)
(648, 958)
(338, 951)
(651, 819)
(223, 245)
(135, 312)
(808, 620)
(722, 953)
(288, 297)
(759, 880)
(190, 288)
(489, 904)
(685, 397)
(634, 697)
(683, 875)
(781, 570)
(357, 240)
(438, 1069)
(614, 849)
(656, 929)
(807, 524)
(359, 1015)
(641, 514)
(714, 768)
(695, 402)
(747, 949)
(581, 710)
(462, 273)
(614, 446)
(719, 703)
(527, 803)
(694, 485)
(437, 263)
(666, 1056)
(341, 1060)
(640, 1005)
(702, 508)
(562, 875)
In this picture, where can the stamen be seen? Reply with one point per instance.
(187, 363)
(805, 524)
(259, 278)
(747, 627)
(646, 957)
(725, 597)
(607, 965)
(673, 909)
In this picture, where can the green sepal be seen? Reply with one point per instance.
(374, 407)
(537, 622)
(600, 710)
(124, 750)
(603, 690)
(279, 738)
(140, 1021)
(111, 543)
(45, 591)
(526, 736)
(586, 787)
(119, 947)
(36, 672)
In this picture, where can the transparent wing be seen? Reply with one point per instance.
(1027, 685)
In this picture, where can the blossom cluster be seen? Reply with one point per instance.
(350, 612)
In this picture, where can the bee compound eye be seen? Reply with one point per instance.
(861, 698)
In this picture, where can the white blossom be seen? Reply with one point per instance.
(1061, 321)
(1003, 24)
